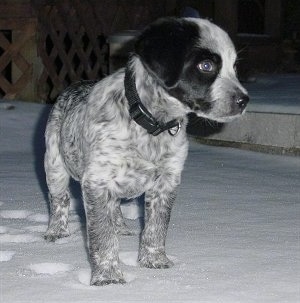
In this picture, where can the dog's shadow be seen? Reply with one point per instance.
(39, 149)
(203, 128)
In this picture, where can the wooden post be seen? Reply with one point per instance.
(32, 65)
(18, 18)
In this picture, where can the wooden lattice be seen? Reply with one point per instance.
(72, 37)
(70, 46)
(47, 44)
(15, 70)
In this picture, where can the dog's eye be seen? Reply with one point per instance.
(235, 67)
(206, 66)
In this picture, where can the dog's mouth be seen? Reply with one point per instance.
(226, 119)
(226, 98)
(219, 118)
(221, 112)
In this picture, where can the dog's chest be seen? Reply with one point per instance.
(145, 161)
(153, 149)
(163, 152)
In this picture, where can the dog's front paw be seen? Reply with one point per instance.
(54, 233)
(107, 276)
(154, 258)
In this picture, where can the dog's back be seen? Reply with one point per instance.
(64, 127)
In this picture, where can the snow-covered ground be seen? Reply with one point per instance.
(234, 232)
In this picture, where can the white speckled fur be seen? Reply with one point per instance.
(91, 138)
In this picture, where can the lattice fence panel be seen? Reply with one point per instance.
(47, 44)
(15, 69)
(70, 45)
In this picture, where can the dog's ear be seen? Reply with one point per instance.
(163, 46)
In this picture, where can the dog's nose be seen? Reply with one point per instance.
(242, 101)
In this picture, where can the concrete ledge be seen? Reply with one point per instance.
(272, 129)
(267, 132)
(274, 150)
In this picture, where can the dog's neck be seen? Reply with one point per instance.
(154, 96)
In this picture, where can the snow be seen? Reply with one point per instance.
(131, 209)
(19, 238)
(6, 255)
(129, 257)
(15, 214)
(50, 268)
(233, 236)
(39, 218)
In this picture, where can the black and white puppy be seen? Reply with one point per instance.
(125, 136)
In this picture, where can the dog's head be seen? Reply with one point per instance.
(194, 60)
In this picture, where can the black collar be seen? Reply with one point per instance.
(139, 113)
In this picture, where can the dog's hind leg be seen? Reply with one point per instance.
(58, 183)
(58, 225)
(59, 198)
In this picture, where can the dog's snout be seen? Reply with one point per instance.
(242, 101)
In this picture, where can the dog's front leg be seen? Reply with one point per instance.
(102, 238)
(158, 205)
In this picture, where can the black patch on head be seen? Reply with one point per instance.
(193, 85)
(191, 71)
(163, 47)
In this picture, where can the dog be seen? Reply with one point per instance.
(126, 135)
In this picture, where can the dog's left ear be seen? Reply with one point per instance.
(163, 46)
